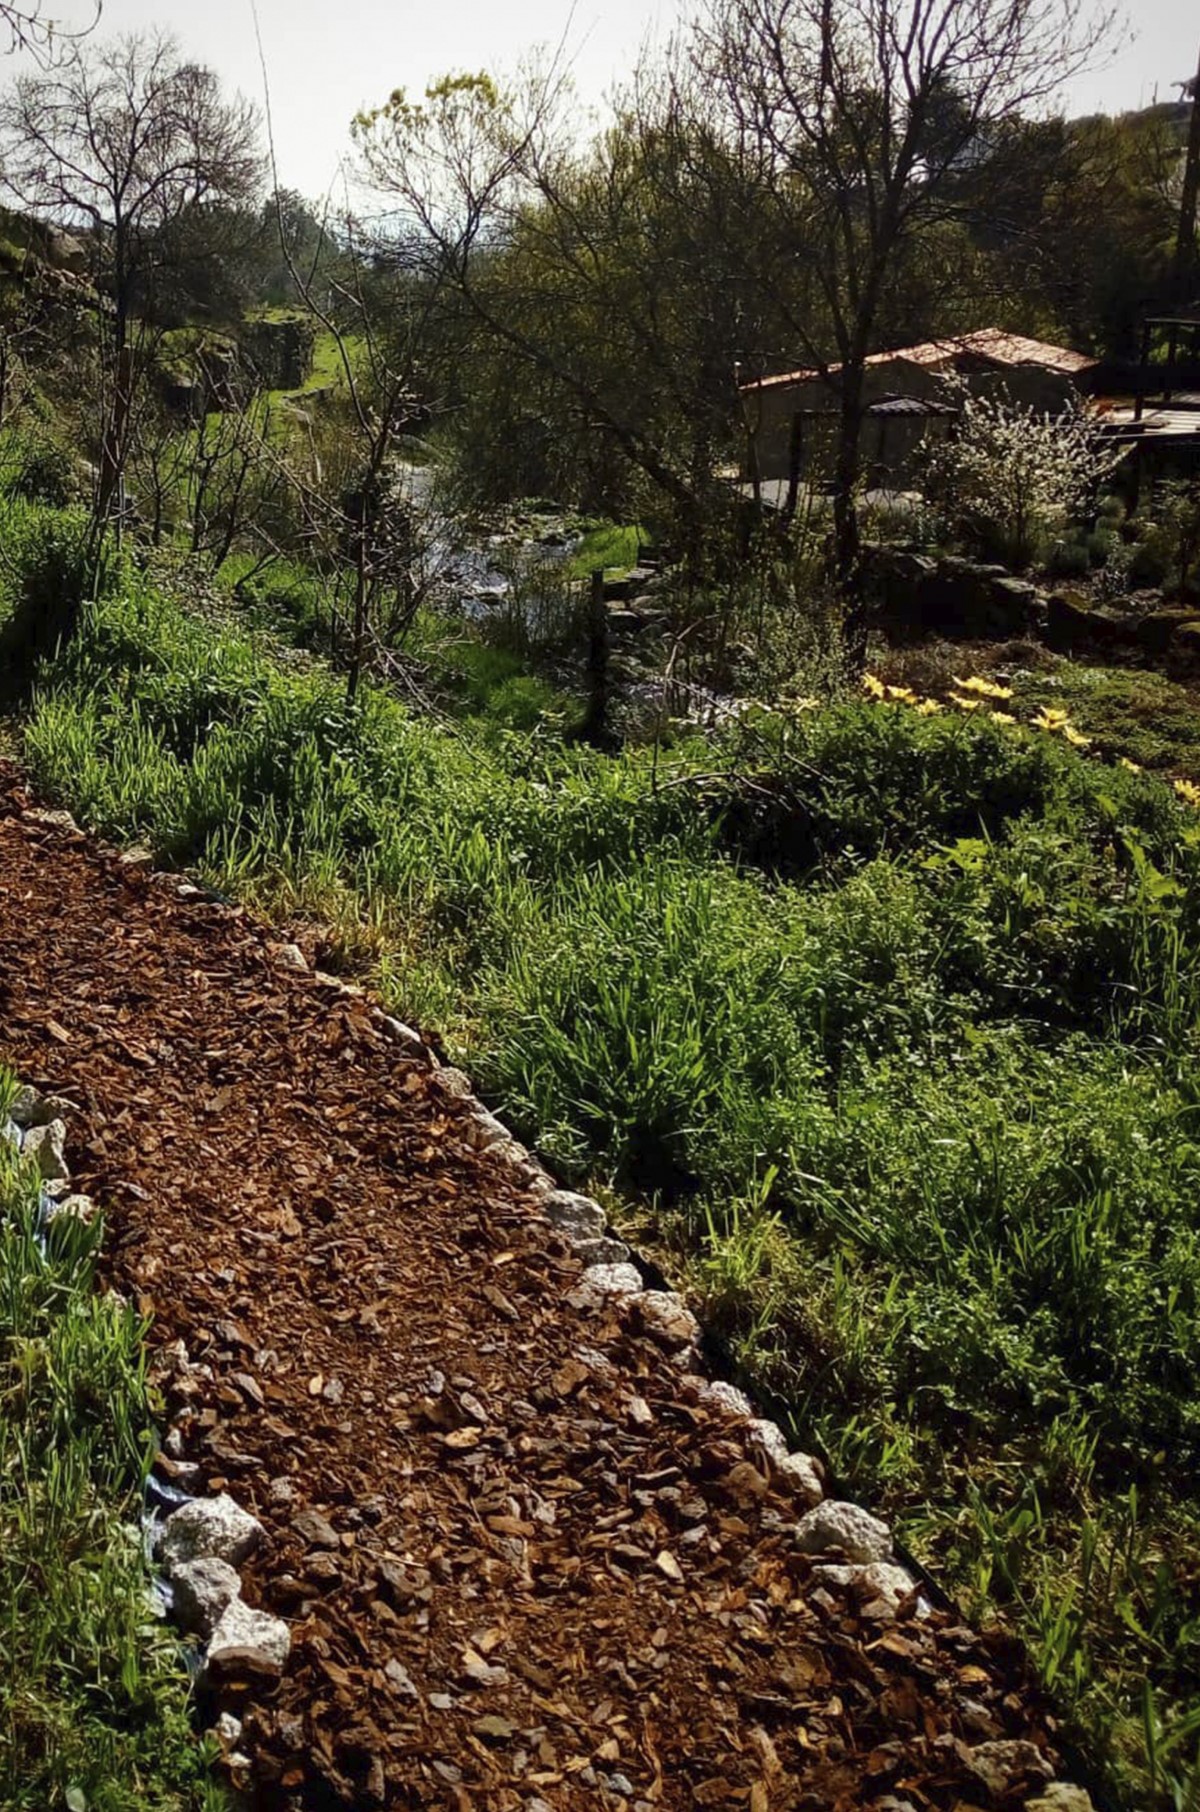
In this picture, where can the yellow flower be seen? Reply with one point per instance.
(1188, 791)
(904, 695)
(1002, 717)
(966, 704)
(804, 704)
(1132, 767)
(1048, 719)
(1075, 737)
(983, 688)
(874, 687)
(928, 707)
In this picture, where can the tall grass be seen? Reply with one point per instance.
(887, 1023)
(93, 1696)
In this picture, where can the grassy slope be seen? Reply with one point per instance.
(895, 1049)
(93, 1695)
(1130, 711)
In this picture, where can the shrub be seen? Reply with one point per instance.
(1148, 563)
(1069, 560)
(1009, 476)
(57, 563)
(36, 468)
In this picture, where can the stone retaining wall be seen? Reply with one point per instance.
(922, 594)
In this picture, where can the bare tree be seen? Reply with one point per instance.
(864, 118)
(41, 38)
(122, 139)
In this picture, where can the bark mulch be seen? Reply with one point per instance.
(524, 1565)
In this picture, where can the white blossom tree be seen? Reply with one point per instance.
(1011, 476)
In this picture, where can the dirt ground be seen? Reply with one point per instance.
(545, 1569)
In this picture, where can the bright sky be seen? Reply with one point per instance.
(329, 58)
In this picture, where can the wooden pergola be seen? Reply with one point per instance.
(1184, 326)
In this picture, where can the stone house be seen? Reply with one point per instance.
(792, 417)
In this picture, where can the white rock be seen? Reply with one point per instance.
(45, 1144)
(403, 1034)
(53, 820)
(455, 1082)
(1001, 1764)
(1061, 1796)
(289, 956)
(799, 1473)
(248, 1641)
(802, 1475)
(73, 1208)
(666, 1318)
(31, 1108)
(203, 1590)
(860, 1536)
(486, 1133)
(769, 1436)
(25, 1104)
(879, 1583)
(599, 1283)
(138, 855)
(577, 1216)
(351, 989)
(10, 1133)
(228, 1730)
(213, 1527)
(725, 1396)
(600, 1251)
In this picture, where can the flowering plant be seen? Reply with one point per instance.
(1009, 476)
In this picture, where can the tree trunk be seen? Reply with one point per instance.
(595, 726)
(795, 463)
(1185, 237)
(846, 538)
(359, 631)
(112, 455)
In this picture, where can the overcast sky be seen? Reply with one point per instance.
(328, 58)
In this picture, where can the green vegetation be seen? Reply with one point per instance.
(93, 1694)
(328, 369)
(607, 546)
(884, 1024)
(1133, 712)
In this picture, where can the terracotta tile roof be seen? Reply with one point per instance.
(1016, 349)
(990, 343)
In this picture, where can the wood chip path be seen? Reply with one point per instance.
(542, 1571)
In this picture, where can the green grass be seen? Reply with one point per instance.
(328, 368)
(610, 546)
(94, 1703)
(885, 1026)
